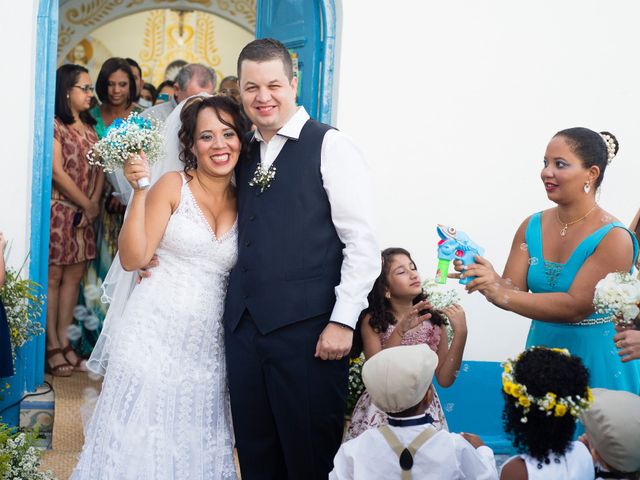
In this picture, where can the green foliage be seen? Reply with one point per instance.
(355, 387)
(19, 458)
(23, 303)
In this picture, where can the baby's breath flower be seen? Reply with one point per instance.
(263, 177)
(439, 296)
(125, 138)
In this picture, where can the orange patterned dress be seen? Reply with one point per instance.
(69, 243)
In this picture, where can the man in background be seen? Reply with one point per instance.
(193, 78)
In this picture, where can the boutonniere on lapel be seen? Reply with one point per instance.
(263, 177)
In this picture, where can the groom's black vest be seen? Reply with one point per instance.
(289, 254)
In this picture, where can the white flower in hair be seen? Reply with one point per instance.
(611, 146)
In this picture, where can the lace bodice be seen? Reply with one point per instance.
(163, 413)
(189, 239)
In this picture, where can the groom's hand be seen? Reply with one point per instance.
(145, 272)
(334, 342)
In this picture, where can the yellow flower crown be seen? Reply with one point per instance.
(550, 402)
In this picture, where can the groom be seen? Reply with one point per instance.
(307, 258)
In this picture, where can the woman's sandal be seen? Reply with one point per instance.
(61, 369)
(81, 363)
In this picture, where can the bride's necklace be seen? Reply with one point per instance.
(566, 225)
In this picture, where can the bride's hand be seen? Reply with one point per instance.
(136, 168)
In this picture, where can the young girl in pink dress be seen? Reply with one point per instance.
(397, 315)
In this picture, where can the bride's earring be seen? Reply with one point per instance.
(587, 187)
(387, 295)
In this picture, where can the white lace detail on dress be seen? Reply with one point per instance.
(163, 413)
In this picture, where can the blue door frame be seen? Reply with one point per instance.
(308, 29)
(30, 358)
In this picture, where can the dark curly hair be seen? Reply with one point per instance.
(379, 306)
(189, 118)
(543, 370)
(590, 147)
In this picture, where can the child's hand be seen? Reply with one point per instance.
(473, 439)
(3, 242)
(413, 318)
(457, 318)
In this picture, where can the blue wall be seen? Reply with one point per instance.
(473, 404)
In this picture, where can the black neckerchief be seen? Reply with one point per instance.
(401, 422)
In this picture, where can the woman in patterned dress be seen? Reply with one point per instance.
(393, 319)
(75, 198)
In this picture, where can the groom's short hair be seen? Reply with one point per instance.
(264, 50)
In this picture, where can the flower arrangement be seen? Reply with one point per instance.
(439, 296)
(549, 402)
(125, 138)
(355, 386)
(618, 294)
(19, 458)
(23, 305)
(263, 177)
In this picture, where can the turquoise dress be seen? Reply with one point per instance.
(592, 338)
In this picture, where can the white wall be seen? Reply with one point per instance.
(454, 103)
(17, 41)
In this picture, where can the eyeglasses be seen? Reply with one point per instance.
(85, 88)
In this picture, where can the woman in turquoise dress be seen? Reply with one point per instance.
(116, 90)
(559, 255)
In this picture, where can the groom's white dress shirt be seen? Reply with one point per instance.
(347, 179)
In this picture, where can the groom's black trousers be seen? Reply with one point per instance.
(288, 406)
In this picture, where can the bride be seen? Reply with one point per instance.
(163, 412)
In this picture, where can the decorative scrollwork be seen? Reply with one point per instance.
(205, 41)
(245, 8)
(64, 37)
(206, 3)
(92, 12)
(153, 36)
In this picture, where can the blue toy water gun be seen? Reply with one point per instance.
(454, 245)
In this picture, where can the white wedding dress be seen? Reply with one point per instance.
(163, 413)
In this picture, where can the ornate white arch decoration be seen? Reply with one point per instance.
(78, 18)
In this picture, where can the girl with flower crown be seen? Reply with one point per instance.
(399, 313)
(544, 392)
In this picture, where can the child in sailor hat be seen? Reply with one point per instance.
(399, 382)
(612, 426)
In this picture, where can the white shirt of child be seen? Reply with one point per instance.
(575, 464)
(445, 455)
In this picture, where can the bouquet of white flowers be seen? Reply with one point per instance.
(23, 302)
(19, 457)
(618, 294)
(125, 138)
(439, 296)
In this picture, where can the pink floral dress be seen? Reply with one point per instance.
(366, 415)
